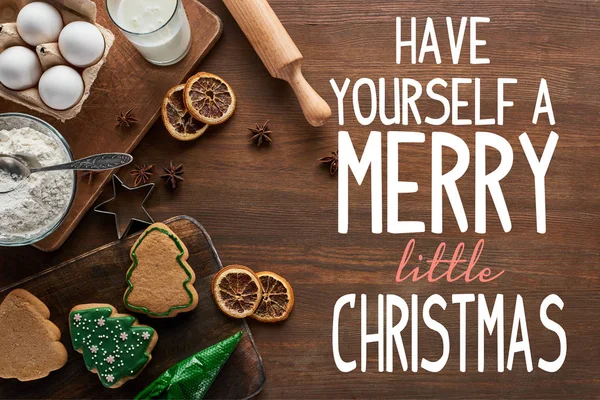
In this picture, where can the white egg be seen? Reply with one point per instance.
(39, 23)
(20, 68)
(61, 87)
(81, 44)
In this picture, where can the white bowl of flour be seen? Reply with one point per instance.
(41, 202)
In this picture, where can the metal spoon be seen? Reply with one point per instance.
(19, 167)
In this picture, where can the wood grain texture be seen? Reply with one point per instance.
(99, 277)
(117, 89)
(275, 207)
(279, 53)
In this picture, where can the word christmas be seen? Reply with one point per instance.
(389, 333)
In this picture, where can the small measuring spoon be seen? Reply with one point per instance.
(18, 168)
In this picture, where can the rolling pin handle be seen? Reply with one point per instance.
(315, 109)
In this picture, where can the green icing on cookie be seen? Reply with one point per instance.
(134, 256)
(111, 345)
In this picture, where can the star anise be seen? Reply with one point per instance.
(89, 175)
(332, 160)
(260, 134)
(172, 175)
(141, 173)
(126, 118)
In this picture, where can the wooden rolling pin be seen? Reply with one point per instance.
(279, 53)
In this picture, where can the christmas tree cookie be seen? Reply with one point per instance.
(30, 346)
(113, 345)
(161, 282)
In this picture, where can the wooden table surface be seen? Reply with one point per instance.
(275, 208)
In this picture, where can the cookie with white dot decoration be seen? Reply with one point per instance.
(113, 345)
(30, 346)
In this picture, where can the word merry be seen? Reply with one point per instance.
(440, 182)
(389, 332)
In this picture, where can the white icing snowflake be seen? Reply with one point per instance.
(100, 321)
(94, 349)
(146, 335)
(110, 359)
(123, 336)
(77, 317)
(110, 378)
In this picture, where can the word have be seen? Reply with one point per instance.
(389, 332)
(440, 182)
(429, 44)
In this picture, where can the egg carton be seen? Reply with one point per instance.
(49, 54)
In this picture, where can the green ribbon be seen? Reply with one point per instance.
(192, 377)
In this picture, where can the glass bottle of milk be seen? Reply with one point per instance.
(159, 29)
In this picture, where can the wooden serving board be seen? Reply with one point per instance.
(99, 277)
(126, 81)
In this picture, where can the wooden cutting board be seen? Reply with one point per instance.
(126, 81)
(99, 277)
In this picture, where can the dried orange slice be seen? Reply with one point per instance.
(277, 298)
(209, 98)
(236, 290)
(178, 121)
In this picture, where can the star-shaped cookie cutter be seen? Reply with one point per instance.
(98, 208)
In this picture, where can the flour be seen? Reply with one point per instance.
(8, 181)
(40, 200)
